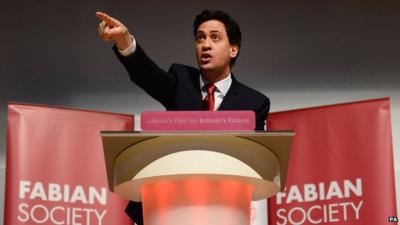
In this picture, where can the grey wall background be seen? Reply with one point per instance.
(299, 53)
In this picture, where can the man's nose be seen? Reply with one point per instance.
(206, 44)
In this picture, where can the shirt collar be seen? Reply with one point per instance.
(222, 85)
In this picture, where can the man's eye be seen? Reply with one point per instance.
(215, 37)
(200, 37)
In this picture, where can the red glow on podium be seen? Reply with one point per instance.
(196, 201)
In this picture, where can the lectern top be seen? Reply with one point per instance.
(133, 157)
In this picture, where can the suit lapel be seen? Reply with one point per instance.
(198, 103)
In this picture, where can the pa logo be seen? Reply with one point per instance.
(393, 219)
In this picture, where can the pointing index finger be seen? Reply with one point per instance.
(106, 18)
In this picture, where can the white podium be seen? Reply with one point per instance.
(196, 177)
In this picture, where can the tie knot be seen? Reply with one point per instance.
(210, 88)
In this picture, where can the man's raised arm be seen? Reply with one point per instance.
(158, 83)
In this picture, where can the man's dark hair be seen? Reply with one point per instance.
(231, 26)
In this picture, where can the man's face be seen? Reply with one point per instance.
(213, 50)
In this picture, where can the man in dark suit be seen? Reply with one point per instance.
(211, 87)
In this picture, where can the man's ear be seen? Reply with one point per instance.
(233, 51)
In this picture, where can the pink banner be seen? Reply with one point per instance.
(198, 120)
(341, 167)
(55, 170)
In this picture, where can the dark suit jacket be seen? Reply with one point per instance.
(179, 89)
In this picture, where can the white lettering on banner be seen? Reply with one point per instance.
(212, 120)
(197, 121)
(55, 193)
(60, 215)
(236, 120)
(311, 193)
(320, 212)
(328, 213)
(73, 214)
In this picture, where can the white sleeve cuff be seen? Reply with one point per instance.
(129, 50)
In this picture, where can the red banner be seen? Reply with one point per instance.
(341, 167)
(55, 170)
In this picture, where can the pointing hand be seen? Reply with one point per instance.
(110, 29)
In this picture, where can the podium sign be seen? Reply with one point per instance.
(198, 120)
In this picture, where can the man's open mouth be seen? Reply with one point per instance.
(205, 57)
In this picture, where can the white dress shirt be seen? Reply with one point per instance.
(221, 89)
(129, 50)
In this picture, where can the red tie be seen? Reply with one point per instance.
(209, 101)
